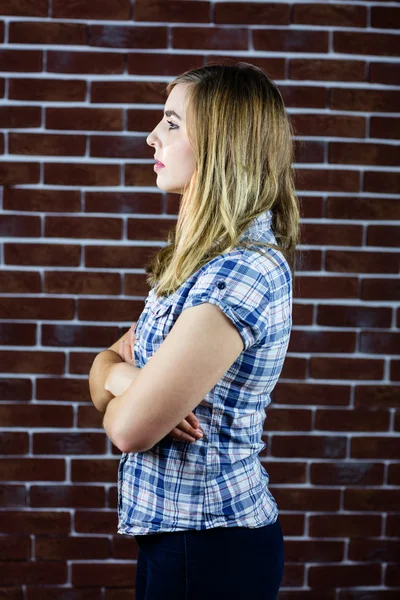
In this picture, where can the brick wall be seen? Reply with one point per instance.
(80, 90)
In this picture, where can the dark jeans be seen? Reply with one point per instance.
(238, 563)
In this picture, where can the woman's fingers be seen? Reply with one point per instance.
(193, 433)
(192, 420)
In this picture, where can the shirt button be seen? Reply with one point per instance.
(221, 285)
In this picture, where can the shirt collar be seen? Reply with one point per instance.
(258, 227)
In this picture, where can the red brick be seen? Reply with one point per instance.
(379, 500)
(85, 9)
(37, 308)
(385, 17)
(113, 36)
(302, 314)
(127, 92)
(13, 496)
(281, 40)
(71, 548)
(347, 473)
(12, 173)
(353, 316)
(85, 62)
(395, 370)
(307, 595)
(352, 420)
(142, 119)
(327, 70)
(123, 594)
(309, 152)
(119, 147)
(313, 551)
(18, 334)
(314, 499)
(362, 208)
(63, 593)
(382, 183)
(375, 447)
(21, 60)
(137, 174)
(311, 393)
(214, 38)
(330, 180)
(322, 341)
(62, 389)
(380, 343)
(323, 14)
(394, 474)
(32, 469)
(345, 525)
(94, 470)
(332, 234)
(69, 443)
(344, 575)
(82, 283)
(352, 153)
(124, 547)
(20, 116)
(240, 13)
(175, 11)
(68, 496)
(54, 255)
(393, 525)
(81, 174)
(284, 420)
(379, 396)
(294, 368)
(14, 443)
(104, 310)
(115, 575)
(369, 100)
(385, 127)
(304, 96)
(88, 416)
(313, 446)
(48, 144)
(15, 389)
(368, 550)
(81, 362)
(163, 64)
(83, 227)
(149, 229)
(383, 235)
(32, 362)
(123, 202)
(35, 415)
(14, 548)
(19, 521)
(380, 72)
(328, 125)
(81, 118)
(24, 199)
(392, 575)
(19, 226)
(285, 472)
(34, 573)
(47, 90)
(308, 286)
(345, 368)
(100, 521)
(135, 285)
(353, 261)
(36, 32)
(358, 42)
(28, 8)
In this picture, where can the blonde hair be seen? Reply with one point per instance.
(242, 139)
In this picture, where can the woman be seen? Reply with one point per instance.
(216, 327)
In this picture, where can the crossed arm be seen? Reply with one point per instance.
(194, 356)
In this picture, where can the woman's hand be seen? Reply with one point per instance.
(188, 430)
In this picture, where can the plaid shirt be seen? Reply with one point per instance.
(217, 481)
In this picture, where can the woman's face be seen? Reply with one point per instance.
(171, 144)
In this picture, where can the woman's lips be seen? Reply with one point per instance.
(158, 165)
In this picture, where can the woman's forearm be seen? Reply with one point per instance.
(97, 377)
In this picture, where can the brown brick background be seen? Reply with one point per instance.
(80, 90)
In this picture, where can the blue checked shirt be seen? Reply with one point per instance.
(217, 481)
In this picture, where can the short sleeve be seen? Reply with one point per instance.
(240, 291)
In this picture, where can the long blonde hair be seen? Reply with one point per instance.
(242, 139)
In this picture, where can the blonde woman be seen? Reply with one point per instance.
(184, 395)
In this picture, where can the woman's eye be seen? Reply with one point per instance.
(173, 126)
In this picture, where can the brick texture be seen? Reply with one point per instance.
(80, 83)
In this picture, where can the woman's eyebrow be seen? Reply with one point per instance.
(172, 113)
